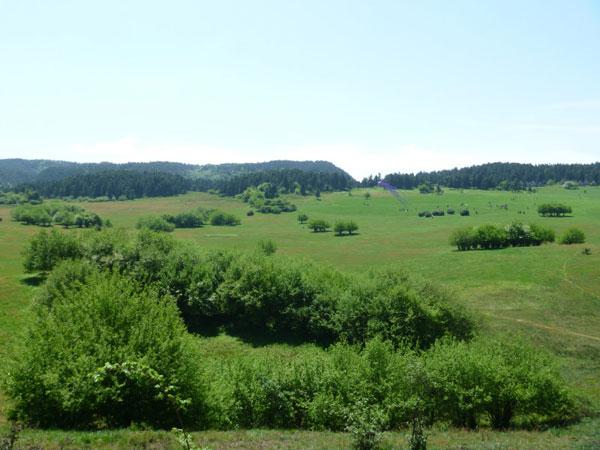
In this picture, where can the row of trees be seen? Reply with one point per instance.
(47, 214)
(487, 237)
(189, 219)
(554, 209)
(133, 362)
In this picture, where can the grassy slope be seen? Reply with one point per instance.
(550, 293)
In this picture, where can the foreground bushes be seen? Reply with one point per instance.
(493, 237)
(105, 353)
(108, 348)
(499, 384)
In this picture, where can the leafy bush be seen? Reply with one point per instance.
(47, 214)
(496, 379)
(450, 211)
(465, 212)
(155, 223)
(189, 219)
(268, 247)
(302, 218)
(492, 237)
(572, 236)
(425, 214)
(438, 213)
(318, 225)
(45, 250)
(221, 219)
(107, 353)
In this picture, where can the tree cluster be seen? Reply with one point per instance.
(265, 199)
(319, 225)
(342, 227)
(554, 209)
(486, 237)
(47, 214)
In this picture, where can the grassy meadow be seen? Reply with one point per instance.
(550, 294)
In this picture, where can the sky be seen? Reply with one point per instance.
(373, 86)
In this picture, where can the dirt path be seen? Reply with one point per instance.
(545, 327)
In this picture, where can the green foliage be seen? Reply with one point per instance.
(107, 353)
(155, 223)
(425, 188)
(189, 219)
(302, 218)
(465, 212)
(497, 380)
(218, 218)
(572, 236)
(46, 249)
(319, 225)
(345, 226)
(47, 214)
(554, 209)
(265, 199)
(268, 247)
(492, 237)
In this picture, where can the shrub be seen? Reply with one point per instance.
(302, 218)
(188, 219)
(491, 237)
(464, 212)
(438, 213)
(155, 223)
(45, 250)
(318, 225)
(224, 219)
(268, 247)
(464, 239)
(425, 214)
(249, 213)
(500, 379)
(107, 353)
(450, 211)
(540, 234)
(572, 236)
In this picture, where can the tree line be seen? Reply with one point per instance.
(506, 176)
(130, 184)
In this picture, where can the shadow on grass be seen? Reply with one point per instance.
(34, 280)
(254, 336)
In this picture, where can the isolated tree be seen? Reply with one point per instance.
(572, 236)
(302, 218)
(367, 195)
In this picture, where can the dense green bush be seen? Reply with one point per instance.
(493, 237)
(46, 214)
(106, 353)
(554, 209)
(494, 380)
(572, 236)
(365, 390)
(220, 218)
(319, 225)
(189, 219)
(155, 223)
(265, 199)
(46, 249)
(465, 212)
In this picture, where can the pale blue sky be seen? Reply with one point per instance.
(374, 86)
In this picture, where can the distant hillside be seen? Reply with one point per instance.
(19, 171)
(496, 175)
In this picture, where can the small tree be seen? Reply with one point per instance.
(367, 195)
(351, 227)
(45, 250)
(302, 218)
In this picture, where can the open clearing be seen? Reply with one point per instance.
(550, 294)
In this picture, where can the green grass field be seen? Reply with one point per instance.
(550, 294)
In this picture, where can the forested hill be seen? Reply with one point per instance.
(18, 171)
(496, 175)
